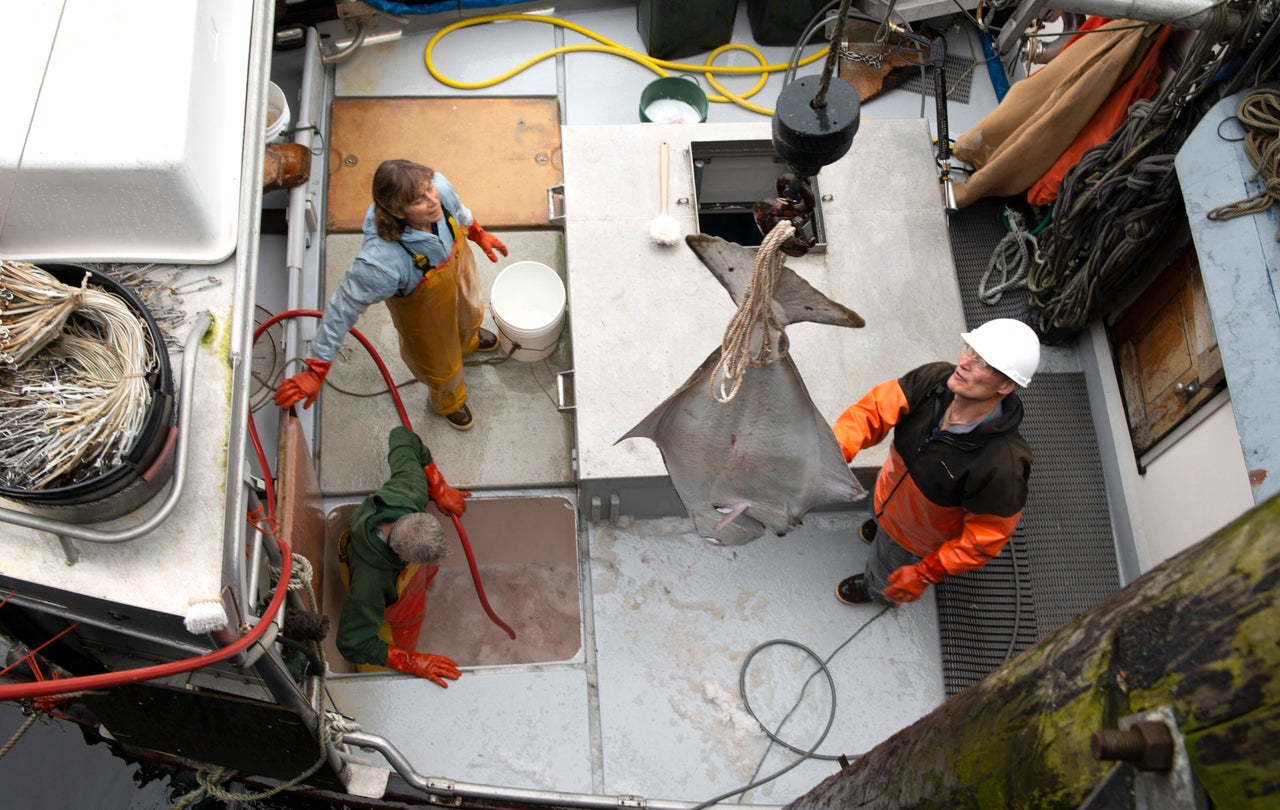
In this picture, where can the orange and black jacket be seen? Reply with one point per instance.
(959, 494)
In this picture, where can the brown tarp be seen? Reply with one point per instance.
(1015, 144)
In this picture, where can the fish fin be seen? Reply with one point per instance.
(794, 298)
(800, 301)
(651, 426)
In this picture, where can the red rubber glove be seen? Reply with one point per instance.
(434, 668)
(448, 500)
(909, 582)
(303, 386)
(487, 241)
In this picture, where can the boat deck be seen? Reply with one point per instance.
(649, 704)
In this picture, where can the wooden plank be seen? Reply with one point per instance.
(502, 154)
(298, 510)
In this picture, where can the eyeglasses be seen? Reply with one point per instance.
(967, 353)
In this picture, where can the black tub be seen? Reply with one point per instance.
(148, 466)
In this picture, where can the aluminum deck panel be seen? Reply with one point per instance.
(888, 259)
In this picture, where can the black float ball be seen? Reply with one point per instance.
(808, 138)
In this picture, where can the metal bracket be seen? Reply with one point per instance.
(555, 205)
(69, 549)
(443, 792)
(1128, 787)
(561, 405)
(1011, 31)
(596, 512)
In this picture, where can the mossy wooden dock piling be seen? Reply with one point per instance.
(1199, 634)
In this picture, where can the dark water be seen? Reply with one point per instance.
(53, 766)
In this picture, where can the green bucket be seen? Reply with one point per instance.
(676, 88)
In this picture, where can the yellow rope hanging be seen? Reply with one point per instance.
(754, 316)
(608, 46)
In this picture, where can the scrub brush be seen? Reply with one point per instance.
(205, 615)
(664, 230)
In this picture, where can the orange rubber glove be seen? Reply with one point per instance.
(434, 668)
(448, 500)
(487, 241)
(303, 386)
(908, 583)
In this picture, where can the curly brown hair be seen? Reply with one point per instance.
(395, 185)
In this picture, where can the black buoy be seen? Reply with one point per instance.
(808, 138)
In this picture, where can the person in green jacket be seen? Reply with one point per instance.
(389, 556)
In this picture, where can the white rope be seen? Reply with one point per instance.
(26, 725)
(300, 578)
(1011, 258)
(73, 390)
(333, 727)
(754, 314)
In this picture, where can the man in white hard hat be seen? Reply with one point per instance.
(953, 487)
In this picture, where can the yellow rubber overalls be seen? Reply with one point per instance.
(403, 621)
(437, 324)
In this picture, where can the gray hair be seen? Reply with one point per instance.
(418, 538)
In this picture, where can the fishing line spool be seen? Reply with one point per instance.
(147, 465)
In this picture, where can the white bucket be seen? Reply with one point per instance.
(277, 113)
(528, 300)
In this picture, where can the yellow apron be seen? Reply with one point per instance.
(403, 621)
(437, 324)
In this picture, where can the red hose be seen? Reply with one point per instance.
(404, 420)
(103, 680)
(106, 679)
(34, 689)
(475, 576)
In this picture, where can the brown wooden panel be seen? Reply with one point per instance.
(298, 509)
(502, 154)
(1167, 353)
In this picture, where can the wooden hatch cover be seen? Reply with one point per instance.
(501, 154)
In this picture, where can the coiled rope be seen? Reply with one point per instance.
(754, 317)
(1114, 204)
(1259, 110)
(333, 728)
(301, 578)
(1011, 259)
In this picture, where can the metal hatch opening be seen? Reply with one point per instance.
(729, 177)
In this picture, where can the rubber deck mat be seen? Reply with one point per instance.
(959, 76)
(1062, 557)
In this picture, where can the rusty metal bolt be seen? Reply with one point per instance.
(1148, 744)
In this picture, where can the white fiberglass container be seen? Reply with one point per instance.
(123, 129)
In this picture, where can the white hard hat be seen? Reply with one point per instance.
(1009, 346)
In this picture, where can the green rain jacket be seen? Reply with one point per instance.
(374, 566)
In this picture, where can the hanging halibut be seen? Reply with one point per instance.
(762, 456)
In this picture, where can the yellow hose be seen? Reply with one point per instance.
(658, 66)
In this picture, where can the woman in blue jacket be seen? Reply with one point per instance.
(415, 258)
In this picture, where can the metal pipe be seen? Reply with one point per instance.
(447, 788)
(349, 51)
(64, 529)
(1184, 13)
